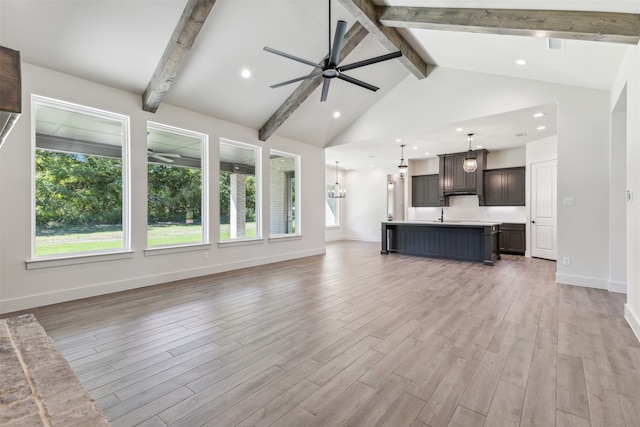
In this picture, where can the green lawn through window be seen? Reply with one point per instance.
(68, 240)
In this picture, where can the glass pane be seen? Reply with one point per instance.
(238, 191)
(283, 188)
(174, 171)
(331, 208)
(79, 180)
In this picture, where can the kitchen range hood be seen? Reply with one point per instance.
(10, 91)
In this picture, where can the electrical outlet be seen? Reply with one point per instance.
(567, 201)
(566, 261)
(205, 255)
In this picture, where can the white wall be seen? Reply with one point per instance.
(22, 288)
(367, 204)
(583, 146)
(617, 197)
(629, 76)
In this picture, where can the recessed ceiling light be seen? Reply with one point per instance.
(478, 146)
(541, 127)
(426, 154)
(370, 166)
(459, 129)
(536, 115)
(414, 148)
(398, 140)
(521, 62)
(245, 73)
(336, 114)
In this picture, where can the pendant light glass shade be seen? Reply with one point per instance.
(470, 163)
(402, 167)
(336, 192)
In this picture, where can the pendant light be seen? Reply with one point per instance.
(470, 163)
(402, 167)
(336, 192)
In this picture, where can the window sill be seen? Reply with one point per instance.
(167, 250)
(285, 238)
(35, 264)
(332, 227)
(240, 242)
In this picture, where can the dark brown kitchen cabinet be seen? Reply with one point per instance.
(504, 187)
(455, 181)
(424, 191)
(512, 238)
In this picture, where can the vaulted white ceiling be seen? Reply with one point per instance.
(119, 43)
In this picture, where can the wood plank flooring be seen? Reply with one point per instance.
(356, 338)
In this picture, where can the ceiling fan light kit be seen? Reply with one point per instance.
(330, 69)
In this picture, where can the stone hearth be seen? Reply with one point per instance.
(37, 386)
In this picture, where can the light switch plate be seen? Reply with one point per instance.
(567, 201)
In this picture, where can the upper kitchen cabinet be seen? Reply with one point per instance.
(424, 191)
(504, 187)
(455, 181)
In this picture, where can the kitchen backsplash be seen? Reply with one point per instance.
(465, 208)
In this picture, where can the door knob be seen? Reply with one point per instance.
(533, 222)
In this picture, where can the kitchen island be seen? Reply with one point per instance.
(460, 240)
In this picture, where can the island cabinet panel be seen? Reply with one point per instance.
(441, 240)
(504, 187)
(513, 238)
(424, 191)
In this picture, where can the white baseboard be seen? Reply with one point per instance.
(633, 320)
(587, 282)
(620, 287)
(363, 238)
(31, 301)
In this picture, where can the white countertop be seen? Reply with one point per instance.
(436, 222)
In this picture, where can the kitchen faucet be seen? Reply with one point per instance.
(441, 219)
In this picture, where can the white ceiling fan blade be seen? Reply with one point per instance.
(162, 157)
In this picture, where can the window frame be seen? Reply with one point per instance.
(204, 187)
(89, 256)
(258, 190)
(298, 196)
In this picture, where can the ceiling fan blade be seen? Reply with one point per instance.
(357, 82)
(334, 56)
(295, 58)
(370, 61)
(325, 89)
(162, 157)
(317, 73)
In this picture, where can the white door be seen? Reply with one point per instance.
(543, 210)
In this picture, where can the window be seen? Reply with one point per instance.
(331, 208)
(239, 191)
(176, 202)
(81, 180)
(284, 180)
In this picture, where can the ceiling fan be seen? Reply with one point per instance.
(329, 69)
(165, 157)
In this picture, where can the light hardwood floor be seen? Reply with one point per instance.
(357, 338)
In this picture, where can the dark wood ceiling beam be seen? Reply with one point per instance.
(184, 35)
(352, 38)
(562, 24)
(366, 13)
